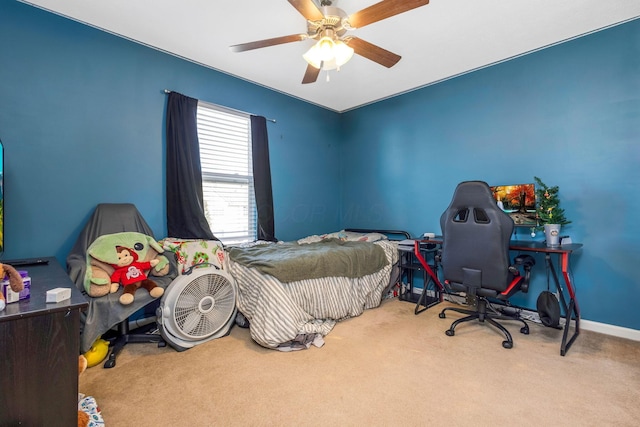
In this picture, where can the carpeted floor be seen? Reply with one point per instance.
(387, 367)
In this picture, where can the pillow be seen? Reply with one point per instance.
(364, 237)
(309, 239)
(191, 252)
(348, 236)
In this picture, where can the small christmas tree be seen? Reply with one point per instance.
(548, 209)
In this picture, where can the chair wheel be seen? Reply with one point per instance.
(110, 363)
(441, 315)
(507, 344)
(524, 330)
(450, 332)
(162, 344)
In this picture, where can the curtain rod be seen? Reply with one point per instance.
(167, 91)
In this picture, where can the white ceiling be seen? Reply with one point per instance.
(442, 39)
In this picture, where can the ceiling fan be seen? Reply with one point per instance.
(329, 26)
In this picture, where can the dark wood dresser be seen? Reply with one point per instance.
(39, 348)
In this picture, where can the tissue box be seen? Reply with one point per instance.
(58, 294)
(11, 296)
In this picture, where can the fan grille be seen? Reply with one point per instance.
(204, 306)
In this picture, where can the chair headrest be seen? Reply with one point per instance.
(476, 234)
(473, 193)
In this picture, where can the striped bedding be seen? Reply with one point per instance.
(290, 316)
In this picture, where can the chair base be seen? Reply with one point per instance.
(124, 337)
(481, 315)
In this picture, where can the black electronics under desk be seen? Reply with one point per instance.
(412, 259)
(39, 348)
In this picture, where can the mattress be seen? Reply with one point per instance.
(291, 315)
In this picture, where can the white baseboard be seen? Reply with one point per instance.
(616, 331)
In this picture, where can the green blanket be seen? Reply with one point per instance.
(290, 262)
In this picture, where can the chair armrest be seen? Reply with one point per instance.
(527, 261)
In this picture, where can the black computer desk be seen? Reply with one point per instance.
(563, 253)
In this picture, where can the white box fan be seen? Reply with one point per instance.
(198, 306)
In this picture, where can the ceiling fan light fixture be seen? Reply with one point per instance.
(313, 56)
(342, 53)
(325, 48)
(329, 26)
(328, 54)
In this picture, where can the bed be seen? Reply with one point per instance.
(293, 293)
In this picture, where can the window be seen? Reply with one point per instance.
(227, 173)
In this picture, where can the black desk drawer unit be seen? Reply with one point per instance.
(39, 348)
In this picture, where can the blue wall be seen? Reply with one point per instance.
(569, 114)
(82, 122)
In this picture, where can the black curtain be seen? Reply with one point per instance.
(262, 178)
(185, 206)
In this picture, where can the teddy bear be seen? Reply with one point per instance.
(129, 272)
(102, 259)
(15, 281)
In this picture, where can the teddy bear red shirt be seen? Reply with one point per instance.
(131, 273)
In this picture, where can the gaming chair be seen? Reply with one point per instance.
(475, 258)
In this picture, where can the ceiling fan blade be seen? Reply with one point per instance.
(308, 9)
(311, 75)
(268, 42)
(383, 10)
(372, 52)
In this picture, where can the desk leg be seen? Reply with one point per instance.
(565, 345)
(571, 311)
(429, 277)
(424, 302)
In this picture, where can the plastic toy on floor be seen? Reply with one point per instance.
(97, 353)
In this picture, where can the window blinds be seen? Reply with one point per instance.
(227, 173)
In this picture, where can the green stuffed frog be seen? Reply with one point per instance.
(122, 258)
